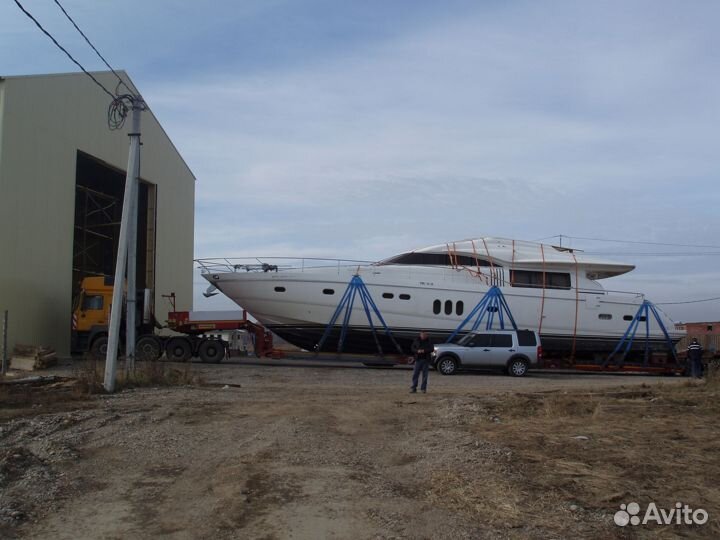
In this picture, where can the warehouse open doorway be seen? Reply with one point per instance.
(99, 190)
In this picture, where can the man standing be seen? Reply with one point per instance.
(694, 354)
(422, 348)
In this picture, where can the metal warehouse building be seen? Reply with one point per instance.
(62, 175)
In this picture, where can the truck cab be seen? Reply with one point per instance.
(91, 312)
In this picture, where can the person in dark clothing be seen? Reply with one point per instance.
(694, 354)
(422, 348)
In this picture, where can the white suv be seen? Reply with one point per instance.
(513, 351)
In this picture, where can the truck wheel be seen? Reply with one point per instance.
(178, 349)
(147, 349)
(99, 347)
(211, 350)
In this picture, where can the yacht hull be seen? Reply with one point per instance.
(299, 304)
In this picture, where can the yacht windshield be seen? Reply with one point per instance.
(436, 259)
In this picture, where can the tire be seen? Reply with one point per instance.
(447, 365)
(147, 349)
(178, 349)
(211, 350)
(517, 367)
(99, 347)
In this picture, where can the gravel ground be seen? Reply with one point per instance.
(281, 449)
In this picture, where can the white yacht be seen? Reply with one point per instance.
(553, 290)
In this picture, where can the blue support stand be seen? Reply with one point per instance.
(356, 287)
(491, 303)
(642, 315)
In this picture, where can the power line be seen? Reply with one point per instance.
(699, 246)
(655, 254)
(548, 237)
(91, 45)
(118, 108)
(78, 64)
(688, 301)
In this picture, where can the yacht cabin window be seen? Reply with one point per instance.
(437, 259)
(533, 279)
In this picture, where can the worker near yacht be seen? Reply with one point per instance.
(422, 349)
(694, 355)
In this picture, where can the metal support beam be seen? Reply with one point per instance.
(643, 314)
(492, 302)
(357, 286)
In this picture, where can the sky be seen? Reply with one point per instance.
(365, 129)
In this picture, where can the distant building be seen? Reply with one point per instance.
(62, 175)
(707, 334)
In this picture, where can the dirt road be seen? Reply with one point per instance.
(307, 452)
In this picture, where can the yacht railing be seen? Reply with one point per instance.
(273, 264)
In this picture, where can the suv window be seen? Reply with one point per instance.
(502, 340)
(526, 338)
(478, 340)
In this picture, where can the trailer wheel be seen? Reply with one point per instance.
(178, 349)
(147, 349)
(99, 347)
(211, 350)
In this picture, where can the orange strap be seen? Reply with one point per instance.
(512, 266)
(542, 302)
(577, 305)
(487, 251)
(493, 276)
(477, 263)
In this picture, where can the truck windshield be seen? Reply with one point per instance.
(94, 301)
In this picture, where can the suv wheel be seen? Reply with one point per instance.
(517, 367)
(447, 365)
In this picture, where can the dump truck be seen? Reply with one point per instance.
(193, 333)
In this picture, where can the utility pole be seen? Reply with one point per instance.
(138, 105)
(4, 344)
(130, 333)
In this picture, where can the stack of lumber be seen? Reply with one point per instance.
(31, 357)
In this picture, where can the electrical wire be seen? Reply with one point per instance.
(121, 82)
(688, 301)
(117, 112)
(118, 108)
(699, 246)
(547, 237)
(78, 64)
(656, 254)
(636, 242)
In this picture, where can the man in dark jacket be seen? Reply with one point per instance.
(694, 355)
(422, 348)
